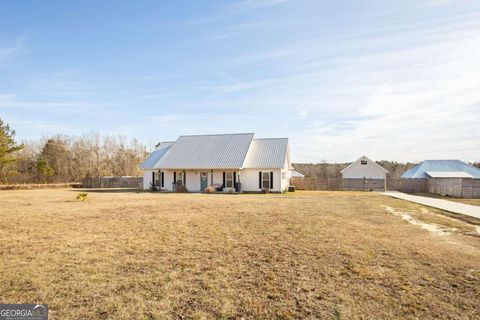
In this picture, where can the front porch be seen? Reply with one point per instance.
(189, 180)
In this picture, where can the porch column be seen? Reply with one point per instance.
(239, 184)
(211, 177)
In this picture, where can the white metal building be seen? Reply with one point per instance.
(228, 162)
(364, 168)
(364, 174)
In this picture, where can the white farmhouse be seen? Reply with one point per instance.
(228, 162)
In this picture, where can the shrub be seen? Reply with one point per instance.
(181, 189)
(82, 196)
(210, 189)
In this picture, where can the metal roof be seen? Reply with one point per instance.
(448, 174)
(156, 155)
(419, 171)
(267, 153)
(360, 159)
(296, 174)
(221, 151)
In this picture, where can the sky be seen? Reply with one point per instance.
(393, 80)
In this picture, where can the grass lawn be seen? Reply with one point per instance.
(474, 202)
(329, 255)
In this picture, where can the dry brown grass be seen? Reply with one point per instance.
(474, 202)
(330, 255)
(28, 186)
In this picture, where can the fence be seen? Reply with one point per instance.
(455, 187)
(113, 182)
(404, 185)
(471, 188)
(408, 185)
(316, 183)
(363, 184)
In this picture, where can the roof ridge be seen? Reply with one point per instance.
(270, 138)
(217, 134)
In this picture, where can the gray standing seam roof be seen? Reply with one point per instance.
(267, 153)
(296, 174)
(156, 155)
(223, 151)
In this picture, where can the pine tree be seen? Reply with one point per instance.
(8, 148)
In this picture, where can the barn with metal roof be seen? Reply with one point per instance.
(421, 170)
(453, 178)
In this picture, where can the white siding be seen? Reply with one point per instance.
(249, 179)
(359, 171)
(288, 174)
(193, 178)
(147, 179)
(168, 176)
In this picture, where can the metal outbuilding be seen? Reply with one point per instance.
(364, 174)
(452, 178)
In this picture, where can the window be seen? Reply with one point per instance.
(180, 179)
(266, 180)
(157, 178)
(363, 162)
(228, 179)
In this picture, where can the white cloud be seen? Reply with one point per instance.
(426, 110)
(9, 50)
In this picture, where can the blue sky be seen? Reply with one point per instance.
(397, 80)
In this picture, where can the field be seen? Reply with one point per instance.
(329, 255)
(474, 202)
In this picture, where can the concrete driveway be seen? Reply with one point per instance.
(455, 207)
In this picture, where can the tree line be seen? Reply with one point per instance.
(332, 170)
(64, 158)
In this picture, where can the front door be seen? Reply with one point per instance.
(203, 180)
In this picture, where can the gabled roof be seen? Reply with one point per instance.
(419, 171)
(267, 153)
(448, 174)
(220, 151)
(364, 158)
(156, 155)
(296, 174)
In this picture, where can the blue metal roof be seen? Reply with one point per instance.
(418, 172)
